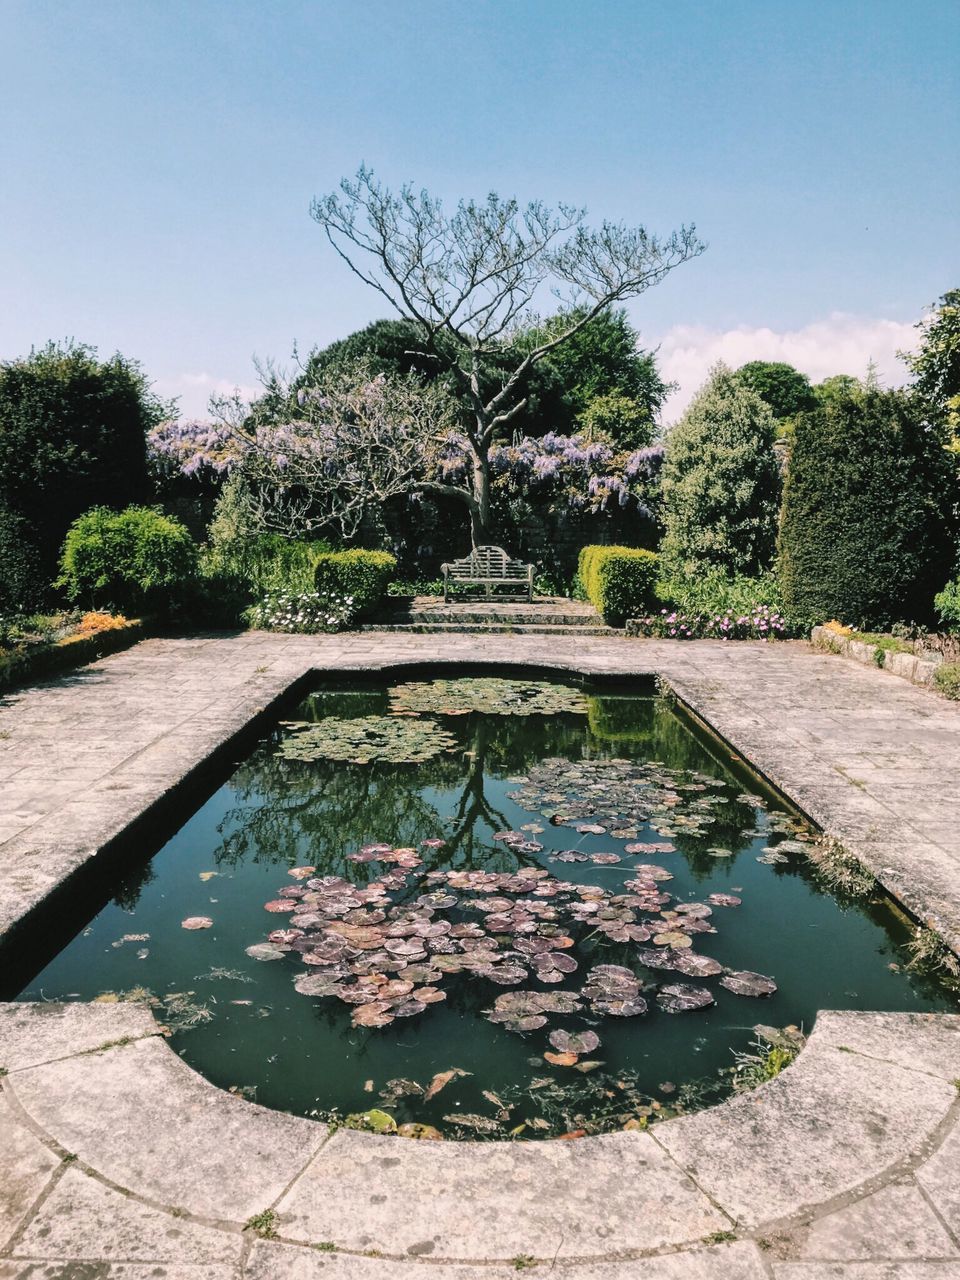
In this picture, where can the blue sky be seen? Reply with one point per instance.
(158, 157)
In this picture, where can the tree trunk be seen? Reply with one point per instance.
(480, 509)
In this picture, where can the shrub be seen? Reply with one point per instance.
(947, 605)
(714, 591)
(137, 560)
(947, 679)
(721, 483)
(361, 575)
(72, 436)
(867, 532)
(618, 581)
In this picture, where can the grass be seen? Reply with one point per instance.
(769, 1059)
(930, 954)
(946, 678)
(838, 870)
(719, 1237)
(263, 1224)
(523, 1262)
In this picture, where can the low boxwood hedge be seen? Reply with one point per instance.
(618, 581)
(362, 576)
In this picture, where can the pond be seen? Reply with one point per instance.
(485, 906)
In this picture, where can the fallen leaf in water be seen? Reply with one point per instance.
(441, 1080)
(561, 1059)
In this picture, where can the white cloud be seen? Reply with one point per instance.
(193, 391)
(841, 343)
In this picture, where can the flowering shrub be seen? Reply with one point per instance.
(589, 474)
(761, 623)
(303, 613)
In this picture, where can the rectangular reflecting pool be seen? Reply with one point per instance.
(484, 905)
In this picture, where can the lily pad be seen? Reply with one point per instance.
(574, 1041)
(742, 982)
(491, 695)
(365, 739)
(681, 998)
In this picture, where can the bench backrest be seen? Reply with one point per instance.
(488, 562)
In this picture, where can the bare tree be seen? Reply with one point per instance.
(469, 282)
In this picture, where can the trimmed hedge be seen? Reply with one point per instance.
(618, 581)
(361, 575)
(867, 532)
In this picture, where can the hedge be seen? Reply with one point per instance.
(867, 530)
(619, 581)
(361, 575)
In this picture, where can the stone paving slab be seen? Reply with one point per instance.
(895, 1221)
(26, 1167)
(853, 1117)
(84, 1220)
(497, 1200)
(31, 1034)
(269, 1260)
(144, 1120)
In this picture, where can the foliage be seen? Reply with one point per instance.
(466, 280)
(947, 604)
(782, 388)
(138, 559)
(772, 1051)
(721, 483)
(360, 576)
(72, 434)
(935, 365)
(838, 386)
(759, 623)
(714, 591)
(618, 581)
(23, 581)
(304, 613)
(617, 418)
(947, 680)
(867, 530)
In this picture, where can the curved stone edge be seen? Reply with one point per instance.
(870, 1098)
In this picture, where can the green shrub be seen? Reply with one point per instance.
(947, 605)
(618, 581)
(947, 680)
(360, 576)
(137, 560)
(867, 531)
(721, 483)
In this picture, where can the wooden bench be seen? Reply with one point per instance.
(489, 567)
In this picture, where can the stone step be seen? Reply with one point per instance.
(541, 618)
(493, 628)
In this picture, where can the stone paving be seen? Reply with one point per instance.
(117, 1161)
